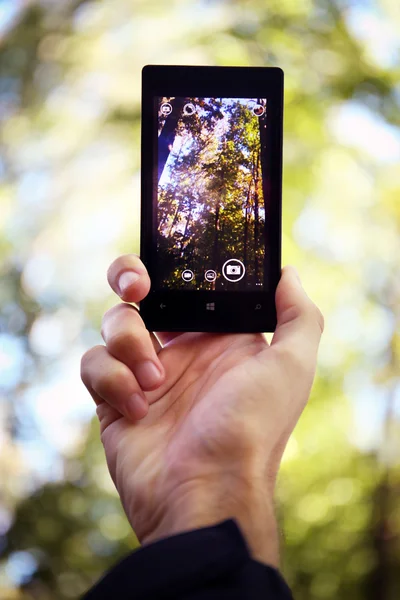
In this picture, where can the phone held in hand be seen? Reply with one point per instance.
(211, 197)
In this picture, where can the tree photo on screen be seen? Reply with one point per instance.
(212, 186)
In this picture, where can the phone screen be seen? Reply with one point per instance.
(212, 193)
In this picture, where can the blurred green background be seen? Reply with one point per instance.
(69, 169)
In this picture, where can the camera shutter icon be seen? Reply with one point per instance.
(233, 270)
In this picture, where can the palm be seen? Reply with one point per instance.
(194, 419)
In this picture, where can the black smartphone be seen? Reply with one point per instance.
(211, 181)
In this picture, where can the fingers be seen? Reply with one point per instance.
(107, 379)
(300, 322)
(128, 365)
(128, 340)
(129, 279)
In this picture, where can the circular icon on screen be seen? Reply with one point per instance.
(210, 275)
(166, 109)
(189, 109)
(258, 110)
(187, 275)
(233, 270)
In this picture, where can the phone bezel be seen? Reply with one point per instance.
(184, 310)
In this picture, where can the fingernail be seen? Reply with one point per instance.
(126, 280)
(137, 407)
(147, 374)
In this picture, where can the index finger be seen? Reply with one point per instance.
(128, 277)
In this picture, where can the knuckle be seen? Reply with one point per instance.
(315, 315)
(117, 315)
(105, 380)
(291, 313)
(320, 319)
(87, 358)
(118, 343)
(294, 358)
(103, 384)
(121, 343)
(113, 311)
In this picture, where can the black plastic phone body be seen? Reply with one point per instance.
(212, 248)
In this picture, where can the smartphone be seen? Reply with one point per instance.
(211, 183)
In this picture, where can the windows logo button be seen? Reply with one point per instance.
(210, 306)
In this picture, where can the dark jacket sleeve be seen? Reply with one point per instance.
(209, 563)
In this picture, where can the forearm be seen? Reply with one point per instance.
(203, 505)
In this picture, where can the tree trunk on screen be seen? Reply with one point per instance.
(246, 228)
(216, 237)
(167, 136)
(185, 233)
(256, 217)
(178, 208)
(174, 220)
(246, 223)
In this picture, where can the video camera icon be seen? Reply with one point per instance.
(187, 275)
(233, 270)
(166, 109)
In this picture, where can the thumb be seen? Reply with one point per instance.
(300, 322)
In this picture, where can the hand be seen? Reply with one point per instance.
(194, 431)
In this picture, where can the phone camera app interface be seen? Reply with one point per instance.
(212, 191)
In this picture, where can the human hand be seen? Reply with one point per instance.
(201, 441)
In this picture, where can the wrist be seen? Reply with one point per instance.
(195, 505)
